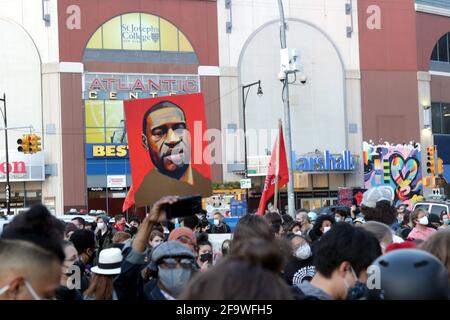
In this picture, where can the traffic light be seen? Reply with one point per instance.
(430, 161)
(29, 143)
(24, 144)
(440, 167)
(35, 143)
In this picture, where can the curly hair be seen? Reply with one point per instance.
(384, 212)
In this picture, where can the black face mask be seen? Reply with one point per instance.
(133, 230)
(224, 251)
(206, 257)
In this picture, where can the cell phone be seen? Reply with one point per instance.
(184, 207)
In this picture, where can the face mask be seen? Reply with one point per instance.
(29, 288)
(346, 283)
(133, 230)
(400, 219)
(32, 291)
(4, 289)
(224, 251)
(216, 222)
(338, 219)
(447, 221)
(298, 233)
(174, 279)
(101, 225)
(303, 252)
(357, 292)
(206, 257)
(326, 229)
(423, 221)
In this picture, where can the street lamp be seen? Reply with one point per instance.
(8, 187)
(244, 101)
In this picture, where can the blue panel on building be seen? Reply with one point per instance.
(443, 147)
(95, 167)
(107, 167)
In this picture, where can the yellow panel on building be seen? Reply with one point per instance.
(131, 31)
(95, 117)
(169, 36)
(112, 34)
(185, 45)
(150, 32)
(95, 135)
(96, 40)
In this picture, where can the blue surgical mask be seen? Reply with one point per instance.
(174, 280)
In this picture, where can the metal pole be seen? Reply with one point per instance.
(8, 187)
(287, 118)
(245, 141)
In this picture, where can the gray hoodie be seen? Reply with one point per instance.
(309, 290)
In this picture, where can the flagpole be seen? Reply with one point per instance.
(277, 166)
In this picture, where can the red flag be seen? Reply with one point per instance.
(281, 167)
(129, 200)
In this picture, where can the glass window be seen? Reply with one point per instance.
(436, 117)
(95, 115)
(437, 209)
(114, 114)
(434, 55)
(445, 109)
(95, 135)
(443, 49)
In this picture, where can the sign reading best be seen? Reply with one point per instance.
(95, 151)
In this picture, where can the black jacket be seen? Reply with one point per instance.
(224, 228)
(64, 293)
(152, 291)
(129, 284)
(104, 241)
(297, 271)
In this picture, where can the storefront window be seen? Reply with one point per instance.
(440, 118)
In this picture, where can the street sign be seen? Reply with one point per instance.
(246, 183)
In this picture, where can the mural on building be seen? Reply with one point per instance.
(397, 166)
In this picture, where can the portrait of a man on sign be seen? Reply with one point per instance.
(161, 135)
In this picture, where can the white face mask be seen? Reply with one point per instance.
(423, 221)
(101, 225)
(303, 252)
(29, 288)
(298, 233)
(326, 229)
(338, 219)
(347, 286)
(216, 222)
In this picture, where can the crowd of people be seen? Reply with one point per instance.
(371, 251)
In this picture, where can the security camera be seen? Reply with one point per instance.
(281, 76)
(303, 79)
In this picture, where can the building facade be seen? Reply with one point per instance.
(325, 110)
(372, 93)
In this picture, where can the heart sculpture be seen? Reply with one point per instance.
(403, 172)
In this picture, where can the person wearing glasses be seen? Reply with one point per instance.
(173, 266)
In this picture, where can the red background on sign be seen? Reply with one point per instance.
(141, 164)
